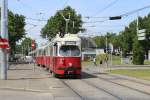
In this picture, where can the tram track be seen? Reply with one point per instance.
(104, 90)
(131, 80)
(107, 80)
(80, 96)
(94, 86)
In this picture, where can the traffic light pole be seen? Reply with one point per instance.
(4, 34)
(107, 50)
(137, 24)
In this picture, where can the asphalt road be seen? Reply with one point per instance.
(26, 83)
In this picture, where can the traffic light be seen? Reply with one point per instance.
(33, 44)
(115, 18)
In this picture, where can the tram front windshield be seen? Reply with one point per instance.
(69, 50)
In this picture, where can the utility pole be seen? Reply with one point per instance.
(137, 23)
(4, 34)
(106, 44)
(106, 50)
(67, 21)
(73, 27)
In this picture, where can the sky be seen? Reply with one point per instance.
(43, 9)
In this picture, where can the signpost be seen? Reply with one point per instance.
(141, 34)
(111, 51)
(4, 39)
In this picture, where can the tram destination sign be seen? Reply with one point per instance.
(70, 43)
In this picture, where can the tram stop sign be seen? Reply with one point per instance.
(4, 43)
(111, 47)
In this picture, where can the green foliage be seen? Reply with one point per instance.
(138, 53)
(100, 41)
(138, 73)
(114, 39)
(57, 23)
(102, 57)
(111, 38)
(16, 31)
(129, 34)
(26, 45)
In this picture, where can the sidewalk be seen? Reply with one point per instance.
(25, 83)
(24, 78)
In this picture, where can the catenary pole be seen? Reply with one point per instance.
(137, 23)
(4, 34)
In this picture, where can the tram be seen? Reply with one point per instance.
(62, 56)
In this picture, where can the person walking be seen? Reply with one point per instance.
(94, 61)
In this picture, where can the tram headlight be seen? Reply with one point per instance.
(70, 64)
(62, 61)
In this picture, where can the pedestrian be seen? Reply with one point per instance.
(100, 62)
(94, 61)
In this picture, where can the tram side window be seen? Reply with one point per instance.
(39, 52)
(43, 52)
(55, 49)
(51, 51)
(69, 50)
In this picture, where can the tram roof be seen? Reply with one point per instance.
(67, 37)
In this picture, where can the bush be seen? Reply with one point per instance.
(138, 53)
(102, 57)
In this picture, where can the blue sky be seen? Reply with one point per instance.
(43, 9)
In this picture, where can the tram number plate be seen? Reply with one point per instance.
(70, 72)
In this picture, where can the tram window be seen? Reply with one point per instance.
(51, 50)
(55, 49)
(69, 50)
(44, 52)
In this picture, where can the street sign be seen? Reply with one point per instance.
(141, 34)
(142, 31)
(141, 38)
(4, 43)
(111, 47)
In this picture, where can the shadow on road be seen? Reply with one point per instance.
(100, 73)
(19, 69)
(86, 75)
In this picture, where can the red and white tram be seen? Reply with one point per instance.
(62, 56)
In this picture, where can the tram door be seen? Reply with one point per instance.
(55, 49)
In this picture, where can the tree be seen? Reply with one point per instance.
(100, 41)
(111, 38)
(138, 53)
(57, 23)
(26, 45)
(16, 31)
(127, 37)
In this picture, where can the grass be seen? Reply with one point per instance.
(116, 60)
(87, 63)
(147, 62)
(138, 73)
